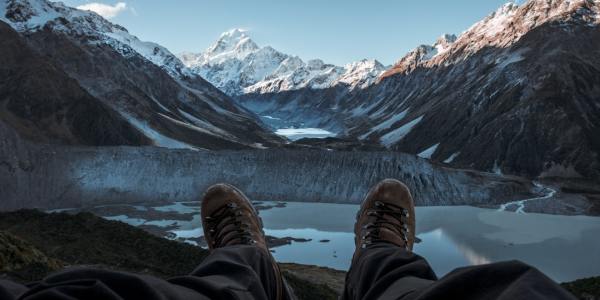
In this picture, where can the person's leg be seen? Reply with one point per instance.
(386, 272)
(235, 272)
(240, 256)
(10, 290)
(384, 266)
(89, 283)
(510, 280)
(384, 235)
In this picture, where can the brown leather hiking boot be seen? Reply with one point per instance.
(228, 219)
(386, 215)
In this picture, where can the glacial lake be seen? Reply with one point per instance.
(295, 134)
(563, 247)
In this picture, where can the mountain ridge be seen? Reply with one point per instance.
(509, 23)
(508, 67)
(237, 65)
(142, 81)
(492, 100)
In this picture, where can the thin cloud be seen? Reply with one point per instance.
(133, 11)
(105, 10)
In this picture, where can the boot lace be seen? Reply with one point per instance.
(230, 214)
(379, 221)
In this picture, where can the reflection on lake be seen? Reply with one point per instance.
(563, 247)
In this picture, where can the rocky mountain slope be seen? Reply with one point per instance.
(146, 85)
(516, 93)
(328, 108)
(44, 104)
(237, 65)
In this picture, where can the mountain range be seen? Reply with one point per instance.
(516, 93)
(237, 65)
(70, 76)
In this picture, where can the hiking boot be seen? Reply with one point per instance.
(386, 215)
(229, 219)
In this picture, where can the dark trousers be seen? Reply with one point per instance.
(238, 272)
(384, 272)
(244, 272)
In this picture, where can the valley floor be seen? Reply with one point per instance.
(449, 237)
(37, 246)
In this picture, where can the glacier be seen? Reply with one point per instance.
(51, 177)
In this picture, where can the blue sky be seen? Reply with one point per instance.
(337, 31)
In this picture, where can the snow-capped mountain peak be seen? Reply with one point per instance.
(33, 15)
(237, 65)
(422, 54)
(500, 29)
(234, 43)
(233, 36)
(510, 22)
(444, 43)
(362, 73)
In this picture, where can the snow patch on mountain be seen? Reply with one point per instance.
(158, 139)
(497, 21)
(512, 58)
(452, 157)
(399, 133)
(237, 65)
(208, 127)
(386, 124)
(427, 153)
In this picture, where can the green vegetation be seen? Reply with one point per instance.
(587, 289)
(23, 262)
(84, 239)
